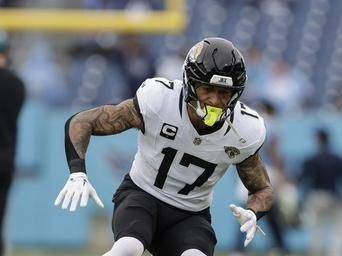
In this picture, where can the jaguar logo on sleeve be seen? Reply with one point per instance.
(231, 151)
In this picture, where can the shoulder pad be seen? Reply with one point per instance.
(251, 126)
(152, 92)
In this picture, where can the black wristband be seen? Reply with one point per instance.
(259, 215)
(77, 165)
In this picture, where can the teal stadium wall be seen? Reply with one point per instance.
(33, 220)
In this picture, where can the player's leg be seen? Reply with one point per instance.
(134, 220)
(193, 252)
(126, 246)
(192, 236)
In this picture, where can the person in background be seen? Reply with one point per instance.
(135, 61)
(11, 100)
(321, 176)
(292, 91)
(280, 214)
(258, 75)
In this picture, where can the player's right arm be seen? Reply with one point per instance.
(102, 120)
(253, 175)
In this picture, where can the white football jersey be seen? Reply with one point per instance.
(174, 162)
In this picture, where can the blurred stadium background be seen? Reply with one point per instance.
(78, 54)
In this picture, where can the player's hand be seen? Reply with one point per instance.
(248, 222)
(77, 187)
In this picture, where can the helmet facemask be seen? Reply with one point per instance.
(209, 114)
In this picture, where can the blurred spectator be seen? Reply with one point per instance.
(170, 66)
(287, 89)
(104, 4)
(285, 211)
(95, 76)
(284, 207)
(141, 5)
(136, 62)
(42, 74)
(322, 174)
(258, 74)
(170, 60)
(333, 97)
(9, 3)
(11, 100)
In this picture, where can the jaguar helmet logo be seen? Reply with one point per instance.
(195, 51)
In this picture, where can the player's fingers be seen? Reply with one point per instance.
(247, 241)
(247, 226)
(235, 209)
(96, 199)
(60, 196)
(67, 199)
(249, 236)
(250, 233)
(232, 206)
(84, 199)
(74, 201)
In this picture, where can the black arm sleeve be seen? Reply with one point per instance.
(75, 163)
(259, 215)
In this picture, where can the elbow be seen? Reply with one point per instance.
(67, 125)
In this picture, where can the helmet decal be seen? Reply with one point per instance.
(195, 51)
(222, 80)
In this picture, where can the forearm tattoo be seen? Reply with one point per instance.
(103, 120)
(255, 178)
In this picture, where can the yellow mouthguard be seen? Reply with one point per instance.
(213, 114)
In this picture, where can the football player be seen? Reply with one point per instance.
(190, 131)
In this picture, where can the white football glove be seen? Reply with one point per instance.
(248, 222)
(77, 187)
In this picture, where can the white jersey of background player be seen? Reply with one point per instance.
(174, 162)
(190, 132)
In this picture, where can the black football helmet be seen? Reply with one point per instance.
(215, 62)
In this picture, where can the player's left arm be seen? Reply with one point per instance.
(253, 175)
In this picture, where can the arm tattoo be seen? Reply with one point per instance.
(103, 120)
(255, 178)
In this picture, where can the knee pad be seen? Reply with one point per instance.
(193, 252)
(126, 246)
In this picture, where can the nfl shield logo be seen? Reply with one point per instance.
(231, 151)
(197, 141)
